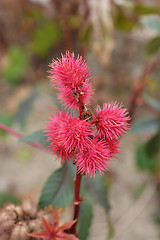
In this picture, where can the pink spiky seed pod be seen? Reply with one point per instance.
(111, 121)
(71, 77)
(94, 158)
(67, 134)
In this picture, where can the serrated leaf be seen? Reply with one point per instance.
(153, 46)
(150, 124)
(153, 145)
(59, 188)
(38, 137)
(144, 161)
(24, 109)
(152, 102)
(85, 219)
(144, 9)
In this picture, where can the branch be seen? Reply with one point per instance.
(19, 135)
(140, 85)
(77, 202)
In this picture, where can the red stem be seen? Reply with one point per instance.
(19, 135)
(77, 201)
(77, 198)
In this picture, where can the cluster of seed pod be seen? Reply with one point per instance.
(16, 222)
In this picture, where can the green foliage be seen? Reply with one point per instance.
(153, 145)
(147, 159)
(145, 125)
(153, 46)
(144, 9)
(75, 21)
(17, 64)
(7, 120)
(34, 14)
(37, 137)
(24, 109)
(59, 188)
(44, 38)
(7, 198)
(98, 191)
(85, 219)
(157, 216)
(85, 34)
(122, 19)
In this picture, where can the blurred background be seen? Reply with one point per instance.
(120, 41)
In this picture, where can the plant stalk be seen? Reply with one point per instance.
(77, 201)
(19, 135)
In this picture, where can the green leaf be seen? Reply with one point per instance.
(75, 21)
(58, 189)
(44, 38)
(144, 161)
(122, 19)
(153, 145)
(85, 219)
(144, 9)
(156, 216)
(152, 102)
(85, 34)
(150, 124)
(7, 198)
(24, 109)
(38, 137)
(17, 64)
(7, 120)
(97, 189)
(153, 23)
(153, 46)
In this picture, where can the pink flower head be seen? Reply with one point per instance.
(94, 158)
(113, 147)
(111, 121)
(91, 144)
(71, 77)
(67, 134)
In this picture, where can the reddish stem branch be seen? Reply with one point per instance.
(77, 198)
(77, 201)
(19, 135)
(141, 84)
